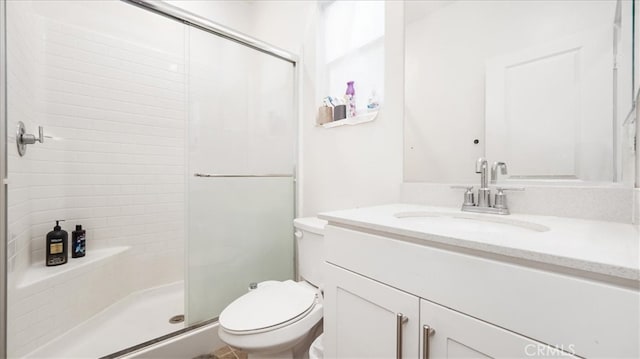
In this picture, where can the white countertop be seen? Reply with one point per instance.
(607, 248)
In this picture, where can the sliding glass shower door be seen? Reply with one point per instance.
(241, 160)
(132, 105)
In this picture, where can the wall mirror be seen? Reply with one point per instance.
(544, 86)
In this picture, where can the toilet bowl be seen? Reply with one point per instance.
(280, 319)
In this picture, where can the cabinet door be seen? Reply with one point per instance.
(362, 318)
(456, 335)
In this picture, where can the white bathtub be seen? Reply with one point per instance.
(140, 316)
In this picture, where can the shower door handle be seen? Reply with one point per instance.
(233, 175)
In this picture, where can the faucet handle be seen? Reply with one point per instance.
(40, 134)
(468, 195)
(500, 201)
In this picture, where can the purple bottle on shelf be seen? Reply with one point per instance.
(350, 97)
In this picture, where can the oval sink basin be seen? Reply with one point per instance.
(470, 222)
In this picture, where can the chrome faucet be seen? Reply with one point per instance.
(484, 193)
(494, 171)
(484, 204)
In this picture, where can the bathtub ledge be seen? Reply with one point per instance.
(37, 274)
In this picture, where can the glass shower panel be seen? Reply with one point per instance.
(240, 234)
(241, 123)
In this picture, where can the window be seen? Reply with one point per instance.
(353, 38)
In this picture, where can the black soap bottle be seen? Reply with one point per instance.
(78, 242)
(57, 246)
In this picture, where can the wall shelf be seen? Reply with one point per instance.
(363, 118)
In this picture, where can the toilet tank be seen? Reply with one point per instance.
(310, 247)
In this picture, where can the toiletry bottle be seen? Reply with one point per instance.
(373, 104)
(350, 97)
(78, 242)
(57, 246)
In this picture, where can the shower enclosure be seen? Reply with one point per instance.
(170, 139)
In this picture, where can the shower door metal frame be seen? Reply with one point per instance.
(202, 23)
(3, 177)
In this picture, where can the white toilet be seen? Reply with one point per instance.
(281, 319)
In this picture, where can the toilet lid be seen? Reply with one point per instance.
(267, 306)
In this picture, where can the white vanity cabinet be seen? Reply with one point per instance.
(455, 335)
(479, 307)
(368, 319)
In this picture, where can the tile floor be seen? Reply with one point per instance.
(225, 352)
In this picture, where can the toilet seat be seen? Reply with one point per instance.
(268, 308)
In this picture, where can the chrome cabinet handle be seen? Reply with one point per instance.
(400, 320)
(426, 332)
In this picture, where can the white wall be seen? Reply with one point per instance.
(352, 166)
(285, 24)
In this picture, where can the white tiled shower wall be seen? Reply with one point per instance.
(117, 165)
(115, 108)
(22, 76)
